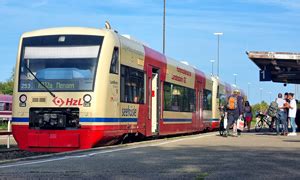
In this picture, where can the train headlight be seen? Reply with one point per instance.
(23, 98)
(87, 98)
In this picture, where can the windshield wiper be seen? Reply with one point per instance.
(51, 93)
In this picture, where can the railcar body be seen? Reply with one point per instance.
(76, 88)
(5, 107)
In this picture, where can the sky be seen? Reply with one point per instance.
(248, 25)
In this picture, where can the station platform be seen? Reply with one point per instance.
(203, 156)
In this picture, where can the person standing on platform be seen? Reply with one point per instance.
(282, 115)
(234, 111)
(287, 102)
(292, 114)
(248, 114)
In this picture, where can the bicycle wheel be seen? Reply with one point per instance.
(259, 126)
(270, 123)
(221, 128)
(221, 132)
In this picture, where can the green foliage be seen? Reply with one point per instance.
(201, 176)
(3, 126)
(263, 106)
(8, 86)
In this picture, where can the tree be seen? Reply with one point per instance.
(8, 86)
(263, 106)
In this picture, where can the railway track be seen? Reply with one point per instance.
(15, 153)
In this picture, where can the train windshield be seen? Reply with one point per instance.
(61, 63)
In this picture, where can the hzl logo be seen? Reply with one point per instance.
(68, 102)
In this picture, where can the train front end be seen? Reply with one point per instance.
(54, 91)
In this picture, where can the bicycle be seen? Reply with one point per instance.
(264, 120)
(222, 129)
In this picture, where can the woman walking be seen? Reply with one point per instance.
(248, 115)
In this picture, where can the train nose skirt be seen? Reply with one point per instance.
(53, 140)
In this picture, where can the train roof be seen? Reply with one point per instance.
(64, 30)
(86, 30)
(5, 98)
(171, 61)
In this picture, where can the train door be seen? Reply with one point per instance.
(199, 106)
(155, 102)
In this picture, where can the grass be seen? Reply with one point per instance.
(201, 176)
(253, 122)
(3, 126)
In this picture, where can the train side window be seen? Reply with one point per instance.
(192, 100)
(114, 66)
(2, 106)
(167, 97)
(179, 98)
(132, 85)
(6, 107)
(207, 99)
(222, 100)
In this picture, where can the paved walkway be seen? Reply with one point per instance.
(208, 156)
(3, 143)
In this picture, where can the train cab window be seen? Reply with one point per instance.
(132, 85)
(179, 98)
(207, 99)
(114, 66)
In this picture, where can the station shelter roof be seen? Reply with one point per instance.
(281, 67)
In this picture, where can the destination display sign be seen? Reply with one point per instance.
(52, 84)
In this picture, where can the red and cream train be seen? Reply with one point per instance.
(5, 107)
(76, 88)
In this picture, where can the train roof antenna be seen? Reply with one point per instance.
(107, 25)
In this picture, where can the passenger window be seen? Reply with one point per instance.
(207, 100)
(114, 66)
(179, 98)
(222, 100)
(132, 85)
(2, 106)
(6, 107)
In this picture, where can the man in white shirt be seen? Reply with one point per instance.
(292, 113)
(282, 115)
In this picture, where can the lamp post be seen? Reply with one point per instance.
(164, 27)
(212, 67)
(218, 34)
(235, 78)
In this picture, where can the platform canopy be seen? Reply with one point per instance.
(281, 67)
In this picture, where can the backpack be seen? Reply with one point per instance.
(232, 103)
(273, 109)
(247, 109)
